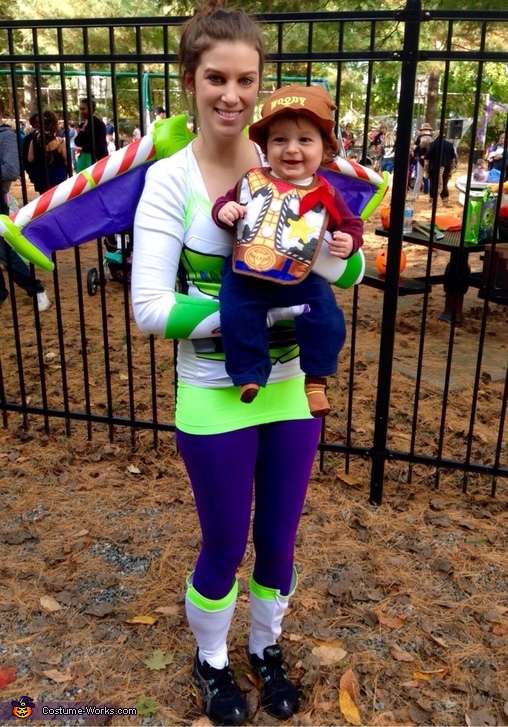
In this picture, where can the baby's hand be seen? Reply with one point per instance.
(341, 244)
(231, 212)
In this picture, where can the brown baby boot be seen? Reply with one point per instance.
(248, 393)
(315, 387)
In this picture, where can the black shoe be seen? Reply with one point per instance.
(278, 696)
(223, 702)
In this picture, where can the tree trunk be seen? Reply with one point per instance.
(28, 93)
(432, 98)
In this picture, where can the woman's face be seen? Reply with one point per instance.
(83, 111)
(226, 86)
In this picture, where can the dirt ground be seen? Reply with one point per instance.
(400, 617)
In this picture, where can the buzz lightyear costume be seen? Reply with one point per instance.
(230, 451)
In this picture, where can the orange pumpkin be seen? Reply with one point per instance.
(381, 260)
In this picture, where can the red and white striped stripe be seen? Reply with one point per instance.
(352, 169)
(122, 160)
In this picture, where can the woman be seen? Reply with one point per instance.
(230, 450)
(495, 157)
(91, 136)
(48, 156)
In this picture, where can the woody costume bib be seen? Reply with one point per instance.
(281, 233)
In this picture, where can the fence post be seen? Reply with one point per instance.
(409, 56)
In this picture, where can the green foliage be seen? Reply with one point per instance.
(158, 660)
(347, 80)
(147, 707)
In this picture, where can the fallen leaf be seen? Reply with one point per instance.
(158, 660)
(348, 479)
(49, 656)
(49, 603)
(310, 604)
(15, 537)
(100, 609)
(418, 713)
(480, 717)
(399, 654)
(7, 676)
(499, 630)
(333, 642)
(329, 655)
(393, 622)
(148, 620)
(349, 682)
(348, 708)
(133, 470)
(58, 676)
(426, 675)
(147, 706)
(168, 610)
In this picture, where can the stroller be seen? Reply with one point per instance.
(117, 261)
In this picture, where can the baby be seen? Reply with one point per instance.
(281, 216)
(480, 171)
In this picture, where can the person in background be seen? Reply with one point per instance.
(480, 171)
(159, 113)
(388, 151)
(423, 139)
(31, 133)
(110, 127)
(236, 456)
(440, 162)
(91, 136)
(348, 138)
(136, 134)
(48, 155)
(495, 157)
(375, 149)
(111, 144)
(72, 133)
(13, 263)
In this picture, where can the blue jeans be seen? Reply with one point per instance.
(244, 303)
(19, 272)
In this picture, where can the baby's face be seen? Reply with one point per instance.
(294, 148)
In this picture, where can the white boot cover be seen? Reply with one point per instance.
(267, 608)
(209, 621)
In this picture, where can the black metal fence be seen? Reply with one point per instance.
(84, 361)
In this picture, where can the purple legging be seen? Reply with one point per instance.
(278, 458)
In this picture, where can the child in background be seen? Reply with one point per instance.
(281, 216)
(480, 171)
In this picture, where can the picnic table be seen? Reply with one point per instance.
(457, 276)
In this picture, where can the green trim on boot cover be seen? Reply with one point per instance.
(207, 604)
(271, 594)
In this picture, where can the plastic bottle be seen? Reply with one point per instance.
(408, 216)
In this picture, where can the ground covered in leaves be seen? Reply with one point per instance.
(400, 617)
